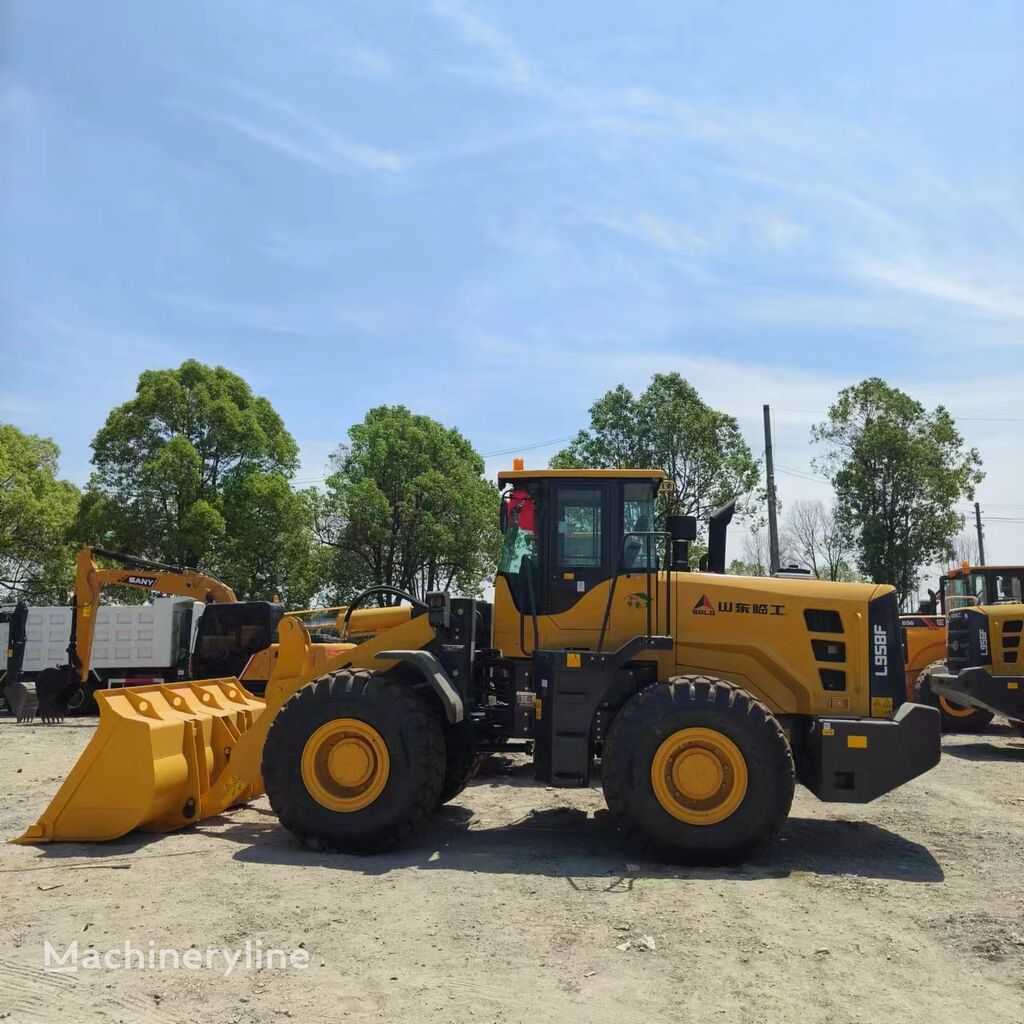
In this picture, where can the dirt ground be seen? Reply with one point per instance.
(522, 904)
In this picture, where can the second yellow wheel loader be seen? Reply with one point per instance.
(967, 588)
(704, 697)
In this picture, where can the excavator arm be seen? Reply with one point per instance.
(137, 574)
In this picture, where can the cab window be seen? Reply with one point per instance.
(638, 517)
(578, 543)
(520, 532)
(1007, 587)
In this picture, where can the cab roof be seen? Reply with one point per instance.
(960, 571)
(580, 474)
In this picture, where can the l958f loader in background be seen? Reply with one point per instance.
(704, 697)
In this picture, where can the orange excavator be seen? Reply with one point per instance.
(70, 685)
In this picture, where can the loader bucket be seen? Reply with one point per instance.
(155, 753)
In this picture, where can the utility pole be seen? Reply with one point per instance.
(769, 465)
(981, 533)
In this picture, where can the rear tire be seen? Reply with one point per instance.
(462, 762)
(393, 730)
(711, 726)
(952, 716)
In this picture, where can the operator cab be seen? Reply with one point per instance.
(566, 531)
(982, 585)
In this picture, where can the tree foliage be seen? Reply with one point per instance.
(668, 426)
(815, 537)
(194, 470)
(407, 506)
(898, 472)
(36, 514)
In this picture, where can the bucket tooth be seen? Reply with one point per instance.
(156, 752)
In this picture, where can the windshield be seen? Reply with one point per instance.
(520, 532)
(967, 590)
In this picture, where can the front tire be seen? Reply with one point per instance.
(953, 717)
(354, 762)
(698, 771)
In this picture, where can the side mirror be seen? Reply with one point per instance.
(503, 513)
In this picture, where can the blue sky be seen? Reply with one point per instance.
(494, 212)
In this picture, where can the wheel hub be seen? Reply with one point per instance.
(699, 776)
(345, 765)
(953, 709)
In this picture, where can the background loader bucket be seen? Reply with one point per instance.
(156, 751)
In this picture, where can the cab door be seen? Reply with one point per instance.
(578, 555)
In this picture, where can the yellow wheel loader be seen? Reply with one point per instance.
(926, 638)
(704, 697)
(984, 665)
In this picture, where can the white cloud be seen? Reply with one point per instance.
(506, 60)
(987, 299)
(302, 137)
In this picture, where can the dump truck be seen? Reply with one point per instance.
(700, 698)
(133, 644)
(925, 636)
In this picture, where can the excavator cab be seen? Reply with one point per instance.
(229, 635)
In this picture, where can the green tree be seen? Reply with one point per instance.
(194, 470)
(407, 506)
(817, 538)
(37, 511)
(669, 427)
(269, 546)
(898, 471)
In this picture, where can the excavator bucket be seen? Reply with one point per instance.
(53, 688)
(155, 754)
(22, 701)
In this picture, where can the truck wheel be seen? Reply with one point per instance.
(952, 716)
(698, 771)
(353, 762)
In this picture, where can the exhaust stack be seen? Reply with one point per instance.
(718, 525)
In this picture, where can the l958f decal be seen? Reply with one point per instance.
(881, 642)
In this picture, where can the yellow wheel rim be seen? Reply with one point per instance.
(955, 710)
(345, 765)
(699, 776)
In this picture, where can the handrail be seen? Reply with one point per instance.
(648, 536)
